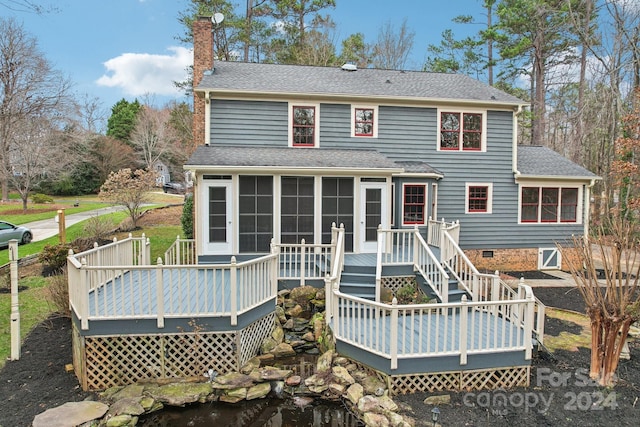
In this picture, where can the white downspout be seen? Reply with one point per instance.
(207, 118)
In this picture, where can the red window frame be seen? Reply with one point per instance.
(303, 128)
(465, 132)
(478, 198)
(414, 199)
(553, 205)
(569, 205)
(359, 122)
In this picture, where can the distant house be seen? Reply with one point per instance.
(162, 171)
(288, 150)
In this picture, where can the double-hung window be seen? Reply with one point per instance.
(364, 121)
(414, 200)
(479, 198)
(304, 125)
(548, 204)
(460, 131)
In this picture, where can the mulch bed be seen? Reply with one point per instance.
(559, 394)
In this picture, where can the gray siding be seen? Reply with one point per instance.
(248, 123)
(410, 133)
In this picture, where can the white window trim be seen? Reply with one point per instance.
(425, 218)
(316, 134)
(489, 186)
(353, 120)
(483, 139)
(546, 184)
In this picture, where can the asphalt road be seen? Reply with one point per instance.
(46, 228)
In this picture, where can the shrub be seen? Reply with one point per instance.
(411, 294)
(40, 198)
(54, 257)
(58, 294)
(187, 217)
(98, 228)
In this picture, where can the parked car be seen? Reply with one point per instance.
(9, 231)
(173, 188)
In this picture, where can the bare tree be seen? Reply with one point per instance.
(153, 137)
(39, 153)
(30, 90)
(393, 46)
(129, 189)
(28, 6)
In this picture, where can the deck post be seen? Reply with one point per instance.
(302, 262)
(335, 310)
(444, 252)
(176, 256)
(528, 323)
(393, 334)
(233, 278)
(160, 294)
(464, 322)
(84, 295)
(416, 260)
(328, 313)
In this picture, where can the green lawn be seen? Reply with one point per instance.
(34, 308)
(13, 212)
(34, 304)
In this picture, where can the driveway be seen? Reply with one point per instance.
(46, 228)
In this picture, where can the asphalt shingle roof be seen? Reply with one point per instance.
(301, 79)
(535, 160)
(289, 157)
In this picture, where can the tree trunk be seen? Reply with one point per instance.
(596, 342)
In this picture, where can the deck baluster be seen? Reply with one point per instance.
(233, 277)
(160, 295)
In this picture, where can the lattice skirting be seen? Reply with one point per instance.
(394, 283)
(483, 379)
(101, 362)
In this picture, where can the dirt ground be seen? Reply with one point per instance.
(560, 393)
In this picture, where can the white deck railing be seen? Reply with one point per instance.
(408, 247)
(128, 291)
(181, 252)
(428, 330)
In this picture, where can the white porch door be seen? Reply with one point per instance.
(217, 214)
(373, 212)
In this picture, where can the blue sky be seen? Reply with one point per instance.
(114, 49)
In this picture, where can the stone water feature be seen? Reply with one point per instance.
(282, 378)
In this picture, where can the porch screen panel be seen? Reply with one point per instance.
(217, 214)
(256, 213)
(296, 203)
(373, 213)
(337, 206)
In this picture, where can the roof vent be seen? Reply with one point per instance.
(349, 67)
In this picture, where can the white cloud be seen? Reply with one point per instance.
(143, 73)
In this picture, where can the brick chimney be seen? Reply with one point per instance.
(202, 60)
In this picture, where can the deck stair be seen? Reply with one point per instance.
(359, 281)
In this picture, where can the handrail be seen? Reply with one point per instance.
(392, 331)
(332, 279)
(181, 252)
(432, 271)
(137, 292)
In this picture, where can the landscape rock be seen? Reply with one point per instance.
(270, 373)
(341, 375)
(295, 311)
(278, 334)
(280, 314)
(293, 381)
(258, 391)
(376, 404)
(267, 345)
(371, 419)
(235, 380)
(372, 385)
(123, 420)
(323, 364)
(303, 294)
(128, 406)
(355, 393)
(250, 365)
(283, 350)
(179, 394)
(71, 414)
(441, 399)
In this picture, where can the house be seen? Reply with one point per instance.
(284, 151)
(353, 181)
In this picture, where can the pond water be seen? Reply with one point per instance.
(270, 412)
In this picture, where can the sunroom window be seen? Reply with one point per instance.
(548, 204)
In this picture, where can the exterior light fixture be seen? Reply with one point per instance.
(435, 414)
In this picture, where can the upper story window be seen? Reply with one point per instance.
(548, 204)
(414, 200)
(304, 125)
(364, 121)
(462, 131)
(479, 198)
